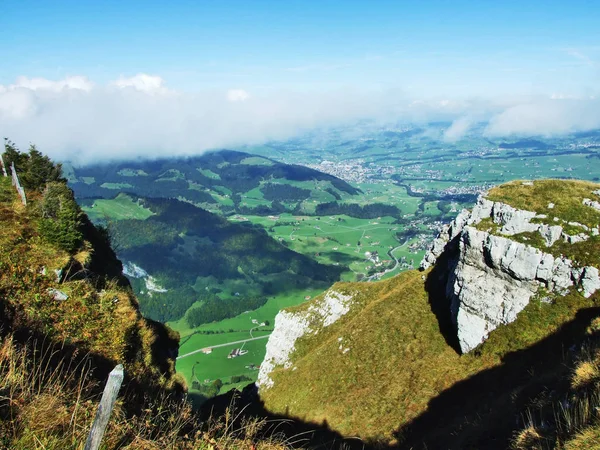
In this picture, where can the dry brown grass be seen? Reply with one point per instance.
(586, 373)
(528, 439)
(587, 439)
(46, 404)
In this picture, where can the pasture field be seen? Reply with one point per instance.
(119, 208)
(201, 367)
(256, 161)
(337, 240)
(116, 186)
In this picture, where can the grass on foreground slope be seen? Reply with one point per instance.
(401, 380)
(55, 355)
(49, 403)
(106, 322)
(571, 420)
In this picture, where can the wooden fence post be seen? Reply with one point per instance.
(109, 396)
(17, 184)
(3, 166)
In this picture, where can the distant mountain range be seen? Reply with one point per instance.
(185, 258)
(224, 181)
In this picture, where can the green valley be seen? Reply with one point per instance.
(364, 209)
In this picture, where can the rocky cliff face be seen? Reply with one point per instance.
(290, 326)
(492, 277)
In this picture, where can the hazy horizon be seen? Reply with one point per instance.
(91, 82)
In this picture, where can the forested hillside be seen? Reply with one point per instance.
(200, 259)
(225, 181)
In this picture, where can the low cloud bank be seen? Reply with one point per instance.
(76, 119)
(547, 117)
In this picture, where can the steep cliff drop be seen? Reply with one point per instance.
(492, 278)
(516, 279)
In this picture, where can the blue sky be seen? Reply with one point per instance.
(97, 79)
(429, 48)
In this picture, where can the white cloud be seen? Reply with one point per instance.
(237, 95)
(139, 117)
(459, 128)
(34, 84)
(141, 82)
(547, 116)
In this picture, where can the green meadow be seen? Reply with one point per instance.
(200, 367)
(119, 208)
(338, 240)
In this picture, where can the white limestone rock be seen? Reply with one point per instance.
(133, 270)
(482, 210)
(513, 220)
(551, 234)
(486, 301)
(492, 282)
(494, 278)
(289, 327)
(591, 203)
(561, 275)
(331, 308)
(590, 281)
(580, 225)
(573, 239)
(544, 271)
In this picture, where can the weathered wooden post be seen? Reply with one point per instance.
(13, 172)
(17, 184)
(109, 396)
(3, 166)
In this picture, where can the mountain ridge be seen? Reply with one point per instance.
(217, 180)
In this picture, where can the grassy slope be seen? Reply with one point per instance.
(106, 323)
(567, 197)
(399, 361)
(55, 355)
(119, 208)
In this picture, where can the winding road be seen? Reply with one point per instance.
(391, 253)
(223, 345)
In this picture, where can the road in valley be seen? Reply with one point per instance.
(223, 345)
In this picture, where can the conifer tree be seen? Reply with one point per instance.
(13, 155)
(40, 170)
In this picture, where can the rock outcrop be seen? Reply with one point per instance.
(290, 326)
(492, 278)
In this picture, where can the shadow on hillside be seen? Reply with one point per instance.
(485, 410)
(480, 412)
(50, 357)
(435, 286)
(295, 432)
